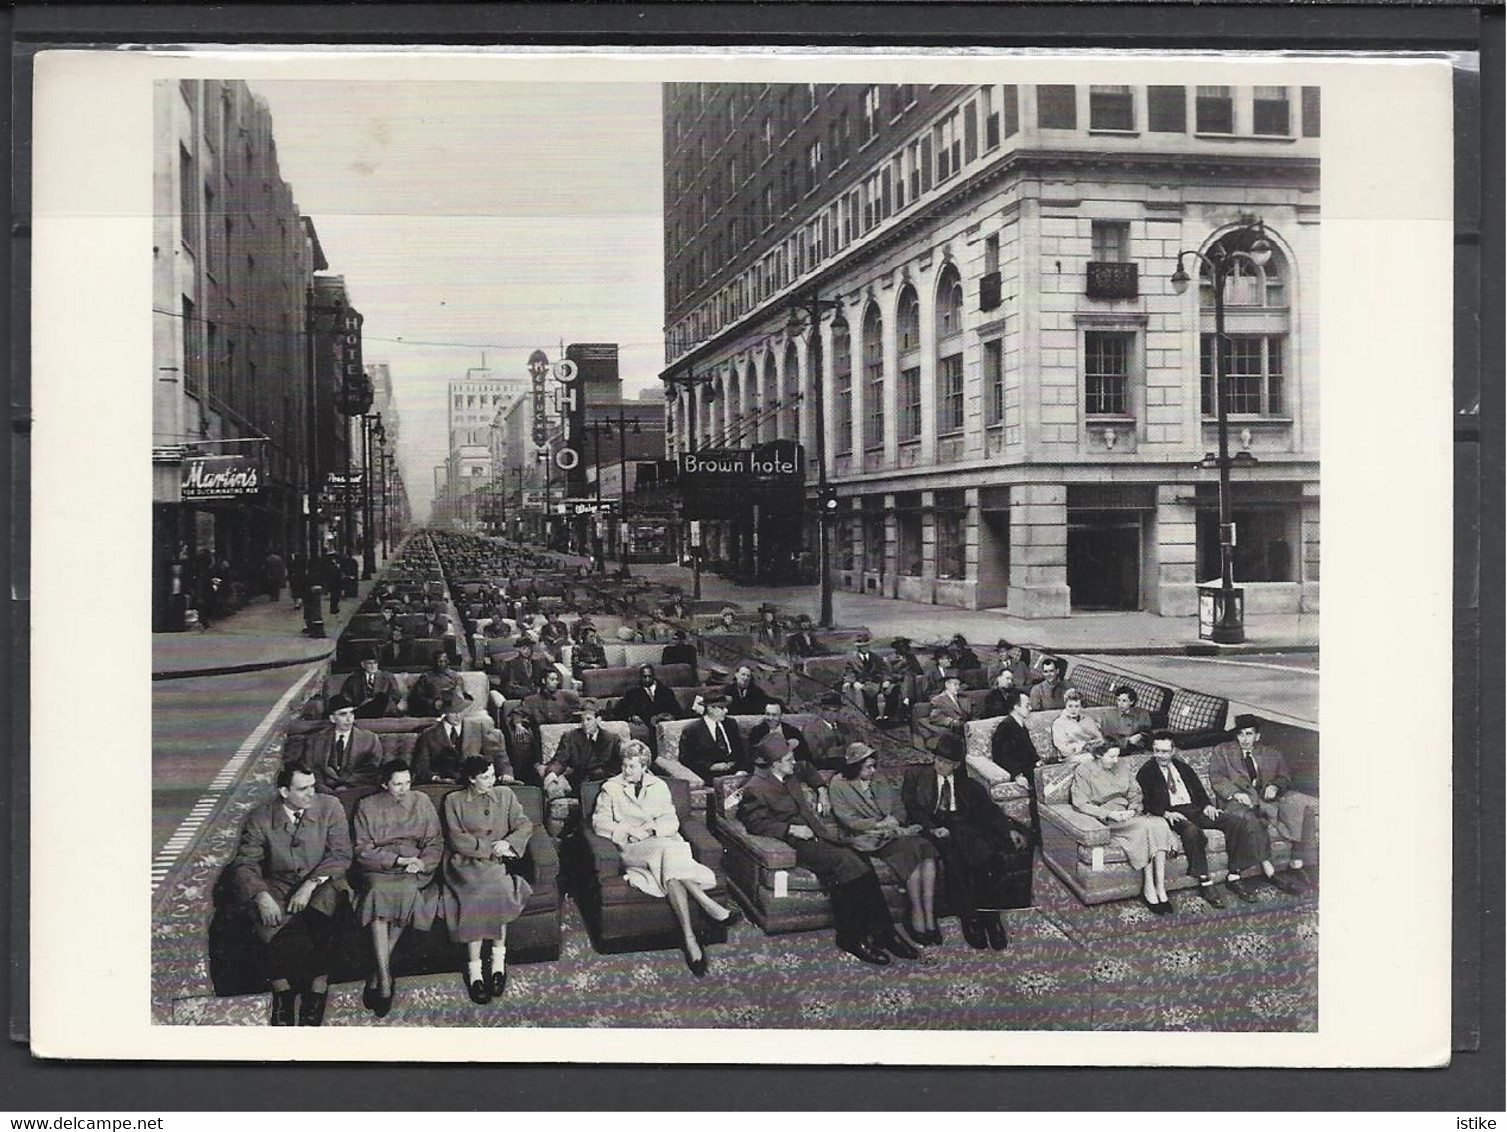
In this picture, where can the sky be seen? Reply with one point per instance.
(478, 222)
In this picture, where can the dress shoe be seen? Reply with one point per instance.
(974, 933)
(696, 966)
(480, 992)
(994, 929)
(935, 935)
(284, 1008)
(1242, 893)
(369, 997)
(1211, 895)
(311, 1008)
(1303, 879)
(498, 983)
(1282, 884)
(860, 949)
(896, 945)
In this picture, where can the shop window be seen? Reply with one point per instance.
(1267, 541)
(949, 519)
(908, 523)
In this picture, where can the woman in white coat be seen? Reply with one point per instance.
(634, 811)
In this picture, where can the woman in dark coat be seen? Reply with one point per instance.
(487, 833)
(398, 848)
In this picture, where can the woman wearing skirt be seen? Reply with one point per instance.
(398, 848)
(634, 811)
(487, 833)
(1105, 788)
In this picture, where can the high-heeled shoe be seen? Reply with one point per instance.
(369, 997)
(697, 966)
(382, 1003)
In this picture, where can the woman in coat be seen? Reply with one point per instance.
(634, 811)
(397, 848)
(1072, 731)
(872, 819)
(487, 833)
(1105, 788)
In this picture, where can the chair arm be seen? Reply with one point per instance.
(767, 851)
(1087, 830)
(545, 857)
(987, 771)
(606, 859)
(704, 846)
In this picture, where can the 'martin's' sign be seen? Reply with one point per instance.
(220, 477)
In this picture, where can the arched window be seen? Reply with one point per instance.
(790, 400)
(908, 349)
(908, 321)
(1257, 320)
(733, 410)
(842, 386)
(949, 352)
(769, 422)
(873, 379)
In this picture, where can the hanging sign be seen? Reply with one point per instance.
(221, 477)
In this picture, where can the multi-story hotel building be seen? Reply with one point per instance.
(1016, 402)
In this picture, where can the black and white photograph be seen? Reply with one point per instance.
(804, 544)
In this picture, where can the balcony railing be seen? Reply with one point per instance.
(1112, 281)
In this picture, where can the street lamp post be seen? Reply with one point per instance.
(806, 314)
(1246, 243)
(370, 424)
(690, 381)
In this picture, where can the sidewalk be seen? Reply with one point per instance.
(1105, 633)
(263, 634)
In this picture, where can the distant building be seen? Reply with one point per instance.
(1015, 400)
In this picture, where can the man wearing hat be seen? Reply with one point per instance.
(774, 723)
(521, 675)
(374, 692)
(906, 667)
(871, 676)
(979, 845)
(711, 745)
(430, 688)
(340, 756)
(1247, 775)
(681, 652)
(775, 804)
(948, 707)
(440, 748)
(801, 642)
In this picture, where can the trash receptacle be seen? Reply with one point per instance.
(313, 611)
(1221, 614)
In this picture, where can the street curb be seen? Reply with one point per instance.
(254, 666)
(1202, 649)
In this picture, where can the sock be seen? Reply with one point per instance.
(1233, 876)
(1295, 864)
(499, 957)
(1268, 868)
(473, 970)
(1206, 882)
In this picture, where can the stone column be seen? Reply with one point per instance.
(891, 546)
(1038, 550)
(1176, 551)
(1308, 567)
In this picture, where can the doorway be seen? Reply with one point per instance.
(1104, 562)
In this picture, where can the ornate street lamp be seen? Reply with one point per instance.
(805, 314)
(1246, 243)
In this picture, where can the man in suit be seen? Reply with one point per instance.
(392, 651)
(712, 745)
(521, 674)
(774, 804)
(948, 707)
(650, 703)
(871, 676)
(774, 723)
(1248, 776)
(285, 883)
(744, 697)
(1130, 727)
(681, 652)
(588, 754)
(430, 689)
(802, 642)
(979, 845)
(1172, 789)
(550, 703)
(341, 756)
(1011, 747)
(374, 692)
(440, 749)
(1048, 695)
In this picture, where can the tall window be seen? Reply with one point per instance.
(994, 380)
(1010, 107)
(813, 165)
(970, 132)
(908, 322)
(188, 190)
(949, 146)
(991, 117)
(842, 384)
(1057, 107)
(950, 306)
(1106, 372)
(216, 364)
(870, 129)
(949, 353)
(1270, 113)
(873, 379)
(1111, 241)
(949, 394)
(1110, 108)
(1214, 110)
(897, 180)
(909, 397)
(1167, 109)
(1253, 374)
(1310, 111)
(913, 168)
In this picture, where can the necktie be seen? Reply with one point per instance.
(294, 821)
(1171, 781)
(371, 683)
(451, 732)
(340, 741)
(1250, 765)
(944, 798)
(722, 738)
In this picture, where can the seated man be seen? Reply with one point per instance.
(1245, 775)
(521, 675)
(964, 658)
(590, 754)
(429, 690)
(374, 692)
(650, 703)
(1048, 694)
(774, 804)
(1130, 727)
(744, 697)
(802, 641)
(1170, 788)
(440, 749)
(341, 756)
(871, 677)
(588, 653)
(1009, 664)
(727, 622)
(1000, 688)
(550, 703)
(979, 845)
(681, 652)
(713, 745)
(1072, 731)
(908, 669)
(774, 723)
(392, 652)
(286, 883)
(948, 708)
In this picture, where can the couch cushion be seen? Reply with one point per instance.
(617, 681)
(1098, 687)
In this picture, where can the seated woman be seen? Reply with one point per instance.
(1105, 788)
(871, 817)
(635, 813)
(487, 834)
(1072, 731)
(398, 848)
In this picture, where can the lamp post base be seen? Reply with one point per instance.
(1221, 614)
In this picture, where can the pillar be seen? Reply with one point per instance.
(1038, 551)
(1176, 559)
(891, 544)
(1308, 567)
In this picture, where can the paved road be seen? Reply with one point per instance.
(1282, 686)
(199, 726)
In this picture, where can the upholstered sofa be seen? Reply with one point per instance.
(475, 685)
(1078, 848)
(601, 682)
(535, 936)
(619, 916)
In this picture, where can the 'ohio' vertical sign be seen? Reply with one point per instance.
(572, 426)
